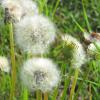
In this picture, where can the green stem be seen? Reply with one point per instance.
(90, 97)
(55, 93)
(66, 84)
(74, 84)
(81, 84)
(67, 81)
(38, 95)
(13, 73)
(56, 90)
(45, 96)
(25, 94)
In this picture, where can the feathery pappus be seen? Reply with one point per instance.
(40, 74)
(35, 34)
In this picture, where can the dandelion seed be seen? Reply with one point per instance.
(4, 64)
(78, 53)
(34, 34)
(40, 74)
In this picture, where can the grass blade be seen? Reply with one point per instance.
(56, 6)
(86, 17)
(74, 84)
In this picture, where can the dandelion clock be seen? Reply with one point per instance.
(40, 74)
(35, 34)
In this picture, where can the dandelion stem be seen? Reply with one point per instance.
(66, 84)
(90, 98)
(45, 96)
(81, 84)
(25, 94)
(55, 93)
(9, 25)
(74, 84)
(38, 95)
(13, 73)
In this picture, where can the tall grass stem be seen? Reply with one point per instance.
(74, 84)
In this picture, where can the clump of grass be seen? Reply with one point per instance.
(84, 19)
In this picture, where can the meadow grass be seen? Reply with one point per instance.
(73, 17)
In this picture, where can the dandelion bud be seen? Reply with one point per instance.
(77, 54)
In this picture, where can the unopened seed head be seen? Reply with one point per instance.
(78, 54)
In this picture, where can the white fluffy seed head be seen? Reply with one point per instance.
(78, 53)
(4, 64)
(14, 8)
(40, 74)
(20, 8)
(29, 7)
(35, 34)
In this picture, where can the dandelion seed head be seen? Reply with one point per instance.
(40, 74)
(78, 53)
(29, 7)
(14, 9)
(35, 34)
(4, 64)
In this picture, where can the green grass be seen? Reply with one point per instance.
(71, 17)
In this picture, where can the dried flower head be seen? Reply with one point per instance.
(4, 64)
(40, 74)
(35, 34)
(78, 53)
(94, 38)
(14, 8)
(20, 8)
(92, 49)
